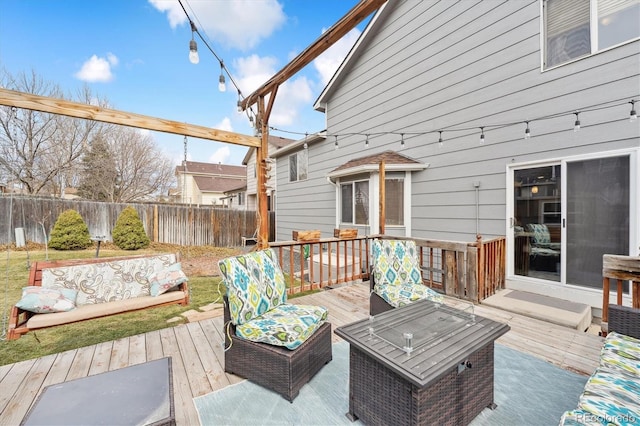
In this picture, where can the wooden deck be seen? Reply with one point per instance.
(196, 349)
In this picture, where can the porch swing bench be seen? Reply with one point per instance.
(115, 285)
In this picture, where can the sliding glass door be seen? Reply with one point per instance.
(566, 215)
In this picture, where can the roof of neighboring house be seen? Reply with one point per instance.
(393, 162)
(240, 188)
(277, 141)
(217, 184)
(195, 167)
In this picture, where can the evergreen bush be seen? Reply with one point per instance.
(70, 232)
(128, 234)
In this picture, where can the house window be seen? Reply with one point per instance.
(394, 201)
(576, 28)
(298, 166)
(240, 198)
(355, 203)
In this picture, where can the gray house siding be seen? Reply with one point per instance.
(425, 66)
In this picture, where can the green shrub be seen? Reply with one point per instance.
(128, 234)
(70, 232)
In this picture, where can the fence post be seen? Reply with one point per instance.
(480, 270)
(155, 223)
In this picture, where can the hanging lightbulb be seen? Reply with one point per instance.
(221, 82)
(527, 132)
(335, 146)
(481, 135)
(366, 142)
(305, 146)
(402, 140)
(576, 125)
(193, 47)
(632, 115)
(239, 101)
(440, 143)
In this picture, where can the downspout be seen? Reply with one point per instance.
(476, 185)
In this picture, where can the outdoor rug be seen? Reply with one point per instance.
(528, 391)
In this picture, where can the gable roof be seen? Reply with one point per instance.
(194, 167)
(218, 184)
(276, 141)
(371, 163)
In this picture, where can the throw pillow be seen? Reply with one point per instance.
(47, 300)
(166, 279)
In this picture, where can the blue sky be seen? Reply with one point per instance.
(135, 53)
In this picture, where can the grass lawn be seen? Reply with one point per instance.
(14, 271)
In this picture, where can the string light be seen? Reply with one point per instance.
(576, 125)
(527, 132)
(402, 140)
(221, 81)
(335, 146)
(632, 115)
(481, 135)
(366, 142)
(239, 104)
(305, 146)
(193, 46)
(440, 143)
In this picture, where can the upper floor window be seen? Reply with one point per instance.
(298, 166)
(576, 28)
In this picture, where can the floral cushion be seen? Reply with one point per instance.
(107, 281)
(47, 300)
(395, 262)
(401, 295)
(255, 284)
(285, 325)
(166, 279)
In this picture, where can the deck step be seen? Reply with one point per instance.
(557, 311)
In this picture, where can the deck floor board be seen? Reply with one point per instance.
(198, 354)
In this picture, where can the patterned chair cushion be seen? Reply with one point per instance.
(255, 284)
(612, 396)
(166, 279)
(404, 294)
(285, 325)
(621, 353)
(539, 233)
(107, 281)
(395, 262)
(47, 300)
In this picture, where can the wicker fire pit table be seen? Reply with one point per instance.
(422, 364)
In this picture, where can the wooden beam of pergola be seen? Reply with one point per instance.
(356, 15)
(90, 112)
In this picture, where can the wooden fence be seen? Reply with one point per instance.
(164, 223)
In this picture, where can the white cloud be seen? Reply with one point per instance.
(240, 24)
(97, 69)
(225, 125)
(327, 63)
(220, 155)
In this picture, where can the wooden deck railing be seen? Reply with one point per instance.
(471, 271)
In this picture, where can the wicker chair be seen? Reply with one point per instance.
(396, 277)
(280, 364)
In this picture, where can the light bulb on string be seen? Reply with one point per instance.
(335, 146)
(527, 132)
(305, 146)
(482, 135)
(402, 140)
(239, 102)
(440, 142)
(576, 125)
(193, 47)
(632, 115)
(221, 81)
(366, 142)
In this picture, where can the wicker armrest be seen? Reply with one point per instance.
(624, 320)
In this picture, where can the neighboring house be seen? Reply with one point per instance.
(477, 101)
(275, 144)
(206, 183)
(236, 198)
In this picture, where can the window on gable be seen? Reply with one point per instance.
(298, 166)
(570, 32)
(354, 203)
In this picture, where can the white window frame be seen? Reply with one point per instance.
(353, 183)
(593, 36)
(302, 166)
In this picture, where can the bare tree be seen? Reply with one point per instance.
(124, 165)
(39, 150)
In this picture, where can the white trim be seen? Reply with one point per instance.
(374, 168)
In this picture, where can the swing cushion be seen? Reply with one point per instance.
(47, 300)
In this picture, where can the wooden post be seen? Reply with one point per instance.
(381, 197)
(261, 156)
(481, 284)
(155, 223)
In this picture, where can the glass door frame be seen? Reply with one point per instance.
(634, 206)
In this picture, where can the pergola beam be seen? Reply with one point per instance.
(356, 15)
(90, 112)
